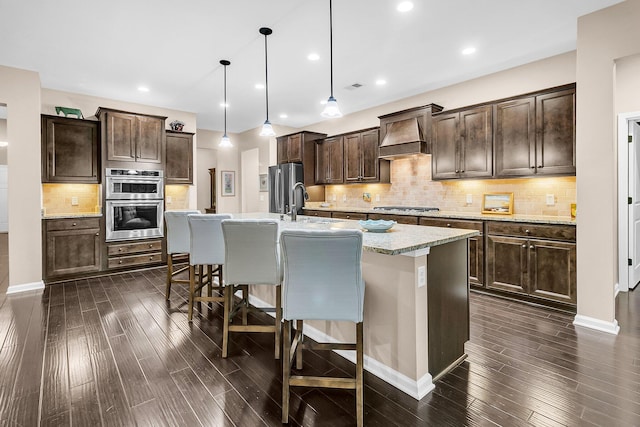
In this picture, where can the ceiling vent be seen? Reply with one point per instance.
(353, 86)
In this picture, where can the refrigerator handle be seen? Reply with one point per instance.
(278, 186)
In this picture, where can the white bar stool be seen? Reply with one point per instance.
(252, 258)
(178, 244)
(207, 249)
(322, 281)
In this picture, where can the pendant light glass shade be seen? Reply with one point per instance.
(225, 142)
(267, 129)
(331, 109)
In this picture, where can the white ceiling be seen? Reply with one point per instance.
(109, 48)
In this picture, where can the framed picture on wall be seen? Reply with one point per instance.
(228, 179)
(498, 203)
(264, 184)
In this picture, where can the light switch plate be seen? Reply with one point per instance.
(377, 197)
(551, 200)
(333, 197)
(422, 276)
(168, 199)
(344, 197)
(74, 201)
(469, 199)
(262, 197)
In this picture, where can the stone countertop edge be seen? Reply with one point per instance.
(72, 215)
(539, 219)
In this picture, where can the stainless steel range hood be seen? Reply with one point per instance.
(407, 132)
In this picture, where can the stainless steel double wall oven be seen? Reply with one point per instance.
(134, 204)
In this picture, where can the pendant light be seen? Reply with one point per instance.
(331, 110)
(267, 129)
(225, 142)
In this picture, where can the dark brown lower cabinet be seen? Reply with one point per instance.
(323, 214)
(138, 253)
(349, 215)
(476, 245)
(71, 247)
(531, 263)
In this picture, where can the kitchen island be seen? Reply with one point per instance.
(416, 309)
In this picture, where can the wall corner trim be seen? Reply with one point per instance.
(597, 324)
(24, 287)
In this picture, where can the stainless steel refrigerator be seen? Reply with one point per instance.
(282, 179)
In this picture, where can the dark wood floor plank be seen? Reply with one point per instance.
(109, 319)
(96, 338)
(134, 382)
(62, 419)
(56, 294)
(149, 414)
(73, 314)
(238, 410)
(198, 396)
(171, 401)
(114, 408)
(55, 384)
(85, 295)
(85, 409)
(80, 369)
(97, 291)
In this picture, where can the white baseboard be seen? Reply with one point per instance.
(416, 389)
(34, 286)
(597, 324)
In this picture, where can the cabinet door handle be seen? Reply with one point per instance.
(527, 231)
(532, 247)
(448, 225)
(532, 167)
(457, 171)
(524, 246)
(540, 166)
(150, 245)
(120, 262)
(462, 171)
(151, 258)
(97, 234)
(348, 216)
(119, 249)
(74, 224)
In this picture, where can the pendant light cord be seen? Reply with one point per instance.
(225, 99)
(331, 43)
(266, 76)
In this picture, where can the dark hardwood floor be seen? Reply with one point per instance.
(110, 351)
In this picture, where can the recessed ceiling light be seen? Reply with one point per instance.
(405, 6)
(324, 101)
(381, 82)
(223, 105)
(4, 144)
(313, 57)
(283, 116)
(259, 86)
(468, 50)
(143, 89)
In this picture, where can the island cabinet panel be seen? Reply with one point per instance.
(131, 139)
(476, 244)
(536, 260)
(300, 147)
(179, 155)
(400, 219)
(321, 214)
(70, 150)
(329, 160)
(535, 135)
(462, 144)
(72, 247)
(349, 215)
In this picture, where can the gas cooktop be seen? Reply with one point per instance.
(405, 208)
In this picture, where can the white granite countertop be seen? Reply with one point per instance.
(398, 240)
(71, 215)
(539, 219)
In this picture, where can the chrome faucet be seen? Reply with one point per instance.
(294, 202)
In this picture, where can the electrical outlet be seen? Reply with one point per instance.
(74, 201)
(377, 197)
(469, 199)
(262, 197)
(551, 200)
(344, 197)
(333, 196)
(422, 276)
(169, 200)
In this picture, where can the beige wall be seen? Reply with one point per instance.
(20, 91)
(603, 37)
(89, 104)
(627, 78)
(3, 137)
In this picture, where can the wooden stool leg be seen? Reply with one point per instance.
(245, 297)
(210, 279)
(169, 274)
(359, 375)
(192, 289)
(278, 330)
(228, 294)
(299, 328)
(286, 370)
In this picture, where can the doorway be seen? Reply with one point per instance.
(4, 202)
(628, 201)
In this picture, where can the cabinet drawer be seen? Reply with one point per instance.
(323, 214)
(400, 219)
(125, 261)
(452, 223)
(349, 215)
(132, 248)
(555, 232)
(72, 224)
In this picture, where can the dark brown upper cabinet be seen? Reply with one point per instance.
(361, 161)
(300, 148)
(132, 140)
(462, 144)
(179, 155)
(330, 160)
(535, 135)
(70, 150)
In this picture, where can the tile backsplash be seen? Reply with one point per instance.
(176, 197)
(411, 185)
(58, 199)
